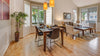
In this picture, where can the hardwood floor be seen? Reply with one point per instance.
(79, 47)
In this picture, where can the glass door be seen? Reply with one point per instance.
(37, 15)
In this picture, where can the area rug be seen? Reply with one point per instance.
(90, 36)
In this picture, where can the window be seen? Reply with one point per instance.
(88, 15)
(37, 15)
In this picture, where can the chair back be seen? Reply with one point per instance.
(55, 33)
(69, 29)
(55, 25)
(92, 25)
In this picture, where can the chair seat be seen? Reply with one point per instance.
(75, 31)
(40, 33)
(49, 35)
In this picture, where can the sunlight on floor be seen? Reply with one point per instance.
(94, 44)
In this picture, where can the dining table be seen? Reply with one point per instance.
(83, 29)
(48, 30)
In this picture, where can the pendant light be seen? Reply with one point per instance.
(51, 3)
(45, 6)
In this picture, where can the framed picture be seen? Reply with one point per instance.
(4, 9)
(67, 15)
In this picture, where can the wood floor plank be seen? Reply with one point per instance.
(79, 47)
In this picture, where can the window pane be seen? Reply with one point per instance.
(34, 16)
(37, 15)
(41, 16)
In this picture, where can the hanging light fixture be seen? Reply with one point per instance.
(51, 3)
(45, 6)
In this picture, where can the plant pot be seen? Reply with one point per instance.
(16, 36)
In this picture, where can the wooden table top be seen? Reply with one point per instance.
(45, 29)
(48, 29)
(82, 28)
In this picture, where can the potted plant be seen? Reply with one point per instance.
(19, 17)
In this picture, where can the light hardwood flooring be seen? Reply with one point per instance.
(79, 47)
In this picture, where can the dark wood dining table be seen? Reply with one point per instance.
(83, 29)
(47, 30)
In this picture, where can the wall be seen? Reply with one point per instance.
(98, 22)
(7, 27)
(62, 6)
(17, 6)
(5, 35)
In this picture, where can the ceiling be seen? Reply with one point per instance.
(41, 1)
(79, 3)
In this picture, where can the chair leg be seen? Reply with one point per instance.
(57, 44)
(78, 35)
(50, 43)
(38, 41)
(72, 36)
(36, 37)
(95, 30)
(66, 34)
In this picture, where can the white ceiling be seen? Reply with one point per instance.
(39, 0)
(79, 3)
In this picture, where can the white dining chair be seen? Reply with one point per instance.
(70, 30)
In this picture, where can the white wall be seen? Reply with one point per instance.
(62, 6)
(98, 22)
(5, 35)
(17, 6)
(7, 27)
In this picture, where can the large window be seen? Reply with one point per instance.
(88, 15)
(37, 15)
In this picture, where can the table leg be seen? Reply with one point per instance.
(36, 36)
(90, 31)
(44, 41)
(62, 37)
(83, 32)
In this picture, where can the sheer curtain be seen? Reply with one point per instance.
(27, 11)
(49, 16)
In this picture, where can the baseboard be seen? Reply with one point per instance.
(5, 49)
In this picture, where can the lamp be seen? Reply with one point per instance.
(45, 6)
(51, 3)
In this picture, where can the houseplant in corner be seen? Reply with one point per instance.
(19, 17)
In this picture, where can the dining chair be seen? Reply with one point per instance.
(53, 36)
(70, 30)
(38, 34)
(93, 25)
